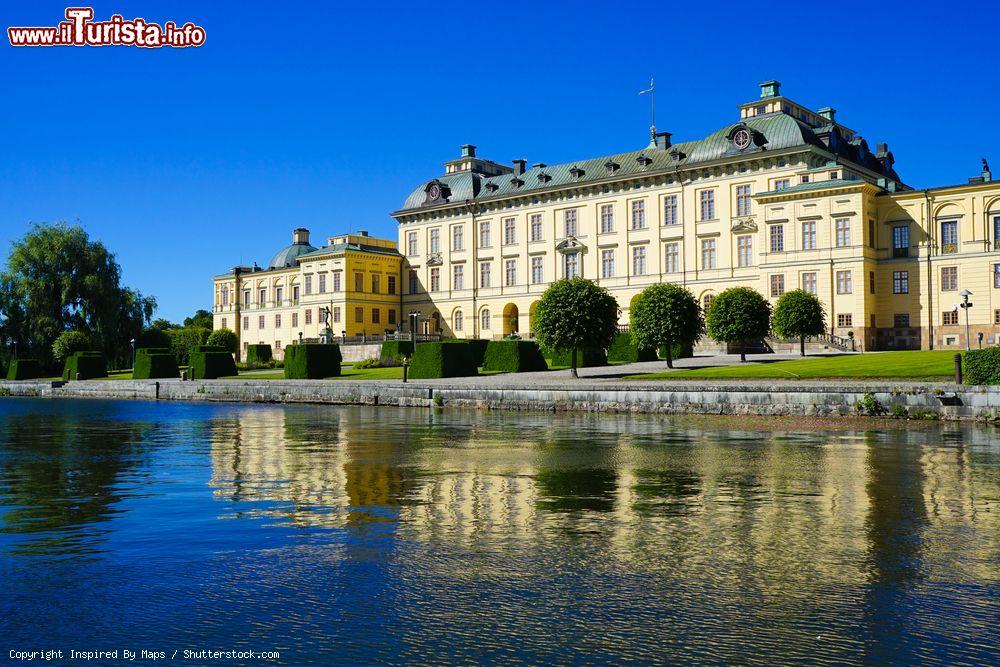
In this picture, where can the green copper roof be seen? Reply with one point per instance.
(289, 255)
(341, 247)
(817, 185)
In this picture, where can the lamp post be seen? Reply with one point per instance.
(965, 305)
(132, 342)
(300, 338)
(414, 318)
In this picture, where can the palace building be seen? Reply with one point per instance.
(784, 197)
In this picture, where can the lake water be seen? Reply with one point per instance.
(345, 535)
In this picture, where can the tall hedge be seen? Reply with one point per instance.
(394, 349)
(477, 346)
(513, 356)
(208, 362)
(151, 363)
(982, 366)
(182, 341)
(24, 369)
(259, 354)
(312, 361)
(447, 359)
(585, 357)
(85, 366)
(624, 349)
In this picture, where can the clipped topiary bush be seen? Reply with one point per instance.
(153, 362)
(85, 366)
(24, 369)
(259, 354)
(623, 349)
(981, 366)
(312, 361)
(394, 349)
(677, 351)
(447, 359)
(513, 356)
(224, 338)
(209, 362)
(477, 346)
(69, 343)
(584, 357)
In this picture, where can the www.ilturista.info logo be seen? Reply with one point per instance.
(79, 29)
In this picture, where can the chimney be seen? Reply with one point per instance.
(987, 174)
(300, 236)
(828, 113)
(770, 89)
(362, 232)
(538, 165)
(519, 166)
(662, 141)
(468, 150)
(881, 148)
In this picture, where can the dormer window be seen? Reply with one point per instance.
(677, 154)
(492, 187)
(644, 160)
(576, 173)
(543, 177)
(516, 182)
(611, 166)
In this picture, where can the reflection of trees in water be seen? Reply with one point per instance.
(61, 476)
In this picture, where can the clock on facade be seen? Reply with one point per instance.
(434, 192)
(742, 139)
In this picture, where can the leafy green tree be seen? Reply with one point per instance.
(201, 318)
(799, 314)
(67, 343)
(664, 315)
(224, 338)
(57, 279)
(153, 337)
(574, 314)
(163, 325)
(183, 339)
(738, 315)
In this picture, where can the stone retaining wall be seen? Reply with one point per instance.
(761, 398)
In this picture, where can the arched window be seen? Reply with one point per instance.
(706, 302)
(484, 319)
(458, 323)
(225, 296)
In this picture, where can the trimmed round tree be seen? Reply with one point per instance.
(664, 315)
(738, 315)
(574, 314)
(799, 314)
(69, 342)
(224, 338)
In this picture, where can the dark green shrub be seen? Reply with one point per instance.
(24, 369)
(513, 356)
(394, 349)
(153, 362)
(584, 357)
(224, 338)
(442, 360)
(153, 337)
(258, 354)
(677, 351)
(312, 361)
(982, 366)
(68, 343)
(477, 346)
(85, 366)
(209, 362)
(623, 349)
(182, 341)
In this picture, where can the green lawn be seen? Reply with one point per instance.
(346, 373)
(913, 365)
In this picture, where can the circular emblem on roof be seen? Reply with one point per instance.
(434, 192)
(742, 139)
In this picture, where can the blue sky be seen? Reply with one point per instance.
(324, 115)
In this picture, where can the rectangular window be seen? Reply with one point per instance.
(277, 345)
(277, 321)
(336, 281)
(777, 238)
(458, 238)
(392, 316)
(639, 214)
(359, 282)
(607, 263)
(844, 282)
(246, 299)
(458, 277)
(949, 278)
(607, 218)
(706, 200)
(569, 222)
(744, 250)
(376, 316)
(743, 200)
(535, 222)
(295, 319)
(671, 258)
(871, 282)
(809, 282)
(295, 293)
(260, 322)
(509, 231)
(670, 210)
(871, 233)
(782, 184)
(996, 275)
(375, 283)
(536, 270)
(901, 241)
(996, 232)
(949, 317)
(411, 243)
(901, 320)
(809, 235)
(845, 320)
(309, 316)
(359, 315)
(391, 285)
(435, 240)
(708, 253)
(224, 323)
(336, 314)
(435, 279)
(279, 295)
(949, 237)
(900, 282)
(843, 232)
(571, 265)
(510, 272)
(309, 284)
(484, 234)
(246, 323)
(777, 284)
(262, 297)
(484, 274)
(414, 283)
(639, 260)
(322, 283)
